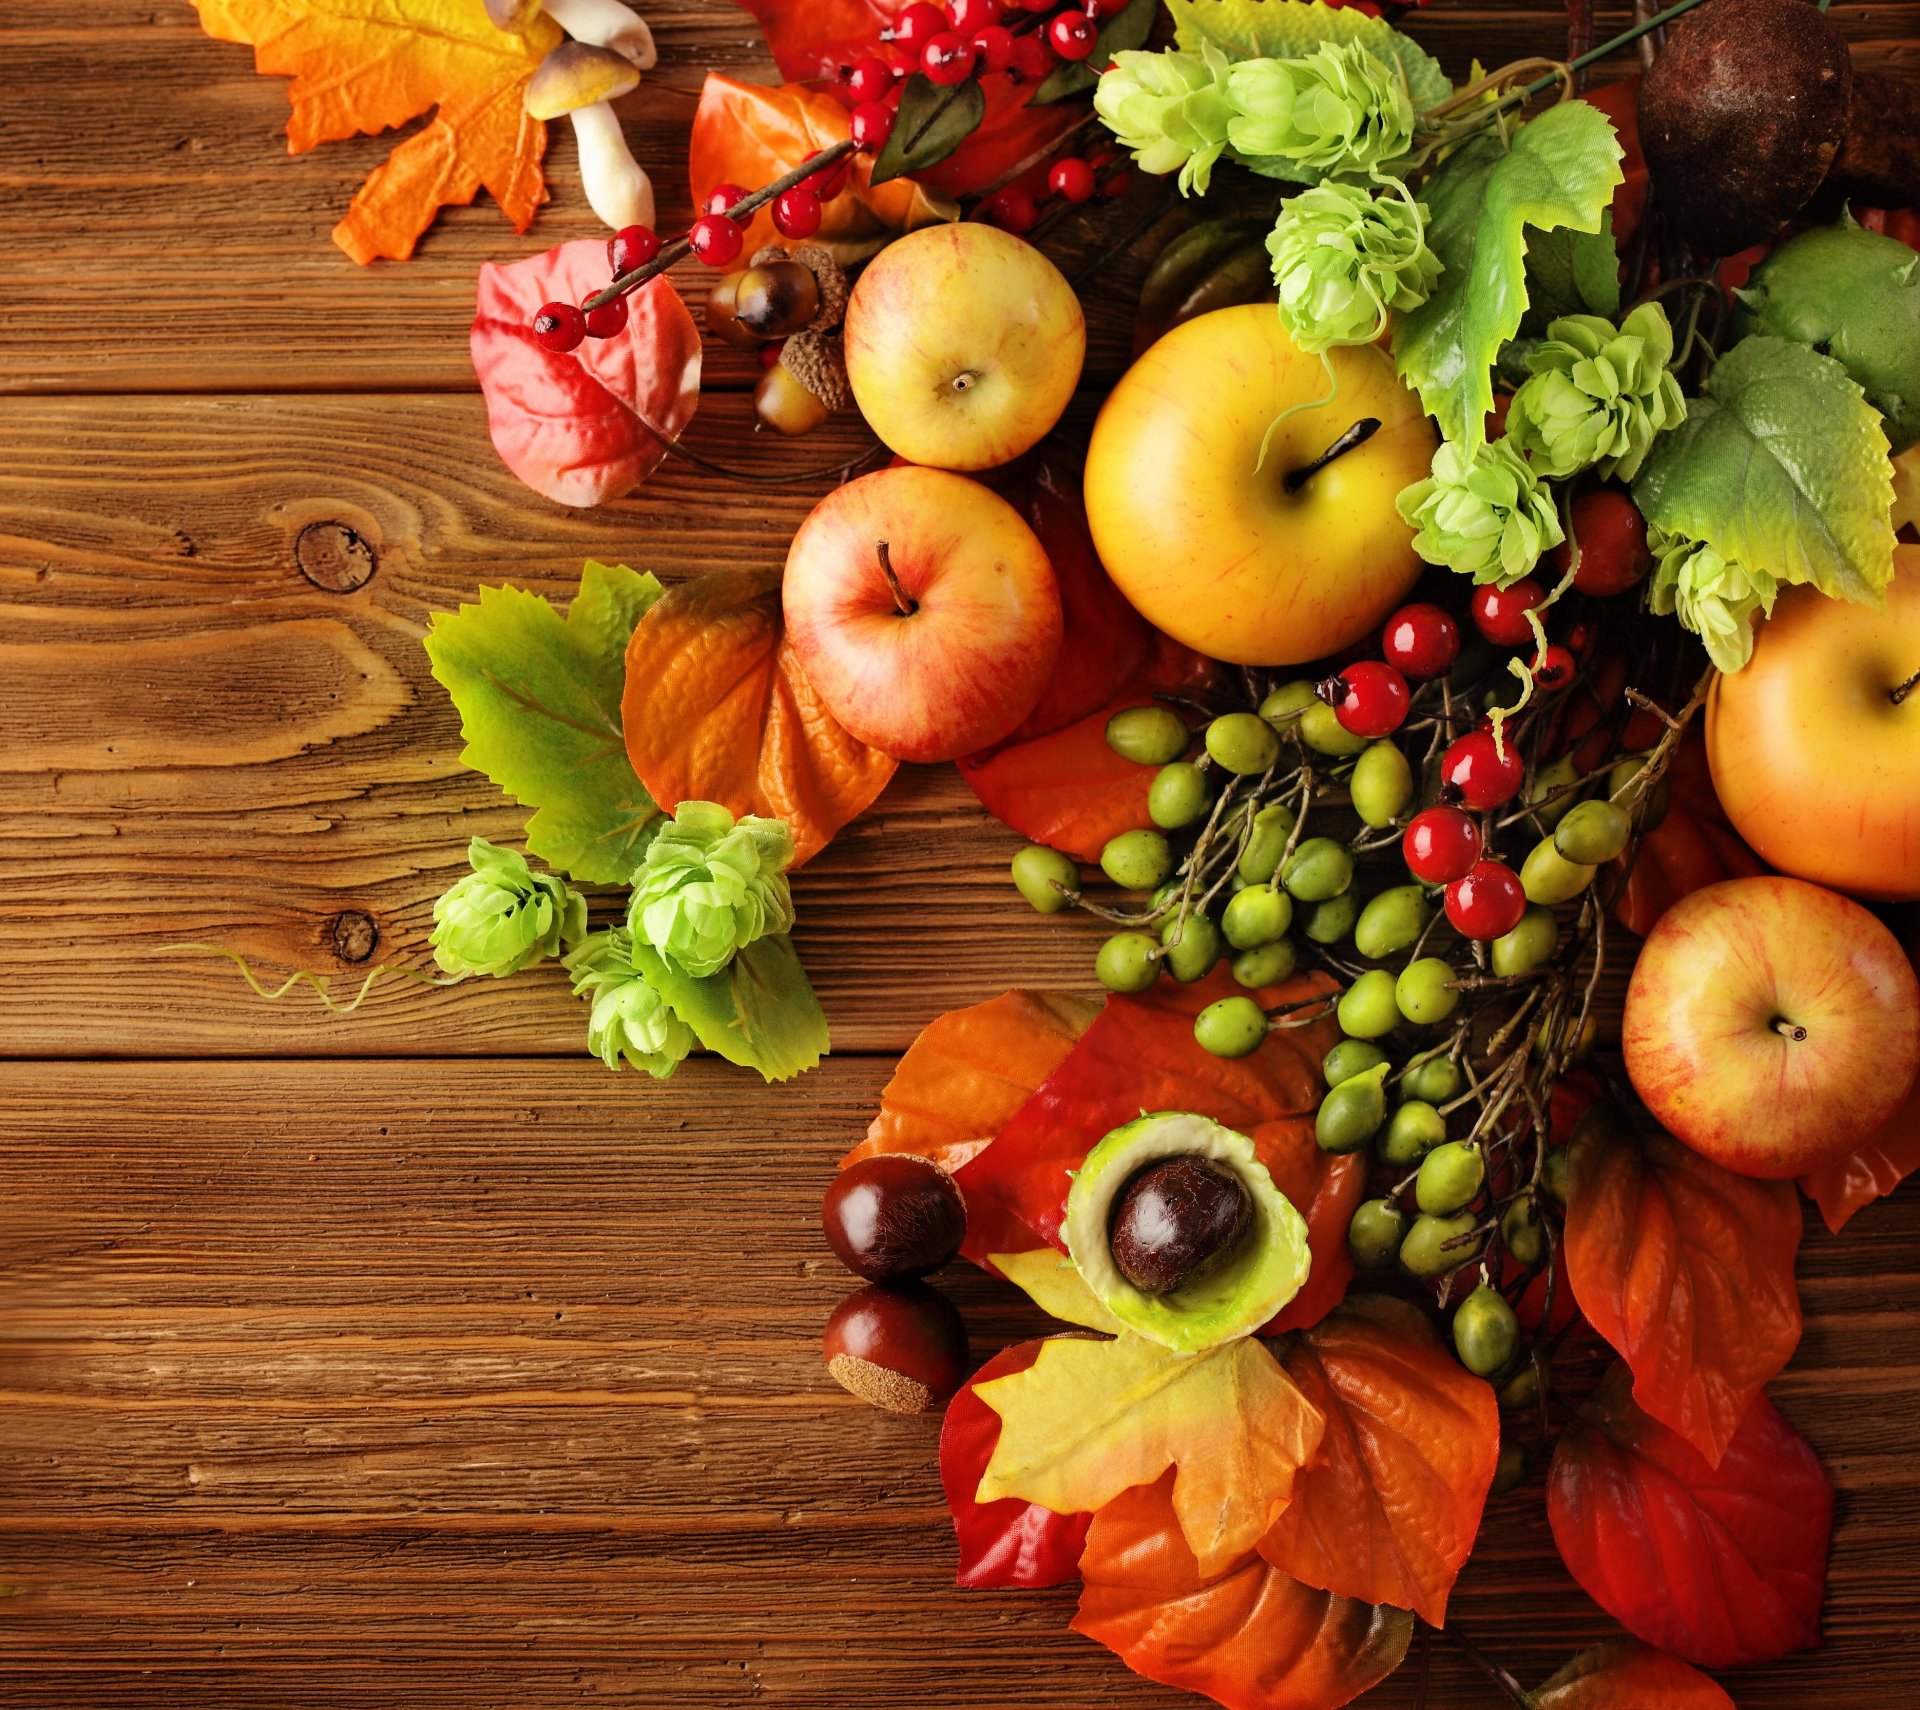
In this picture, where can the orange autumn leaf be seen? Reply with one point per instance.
(1694, 846)
(1687, 1269)
(1627, 1672)
(1388, 1508)
(1250, 1638)
(717, 709)
(360, 67)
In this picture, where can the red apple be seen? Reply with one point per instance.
(1771, 1024)
(923, 609)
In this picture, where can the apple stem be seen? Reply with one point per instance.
(1361, 431)
(907, 607)
(1789, 1029)
(1905, 689)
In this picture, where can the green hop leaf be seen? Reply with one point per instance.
(539, 701)
(1599, 394)
(1559, 170)
(629, 1019)
(1482, 513)
(1571, 273)
(1170, 109)
(1337, 110)
(1287, 29)
(710, 886)
(758, 1012)
(503, 916)
(1343, 257)
(1782, 467)
(1714, 597)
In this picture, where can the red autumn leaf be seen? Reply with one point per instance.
(1901, 223)
(1695, 845)
(587, 425)
(1326, 1190)
(1625, 1673)
(1250, 1638)
(1388, 1508)
(1009, 1542)
(717, 709)
(1621, 104)
(1687, 1269)
(1721, 1565)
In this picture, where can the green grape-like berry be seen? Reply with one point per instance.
(1381, 785)
(1351, 1113)
(1267, 966)
(1648, 803)
(1232, 1027)
(1551, 793)
(1391, 921)
(1285, 705)
(1425, 992)
(1128, 962)
(1137, 860)
(1046, 878)
(1593, 833)
(1435, 1245)
(1375, 1234)
(1180, 795)
(1510, 1471)
(1450, 1176)
(1266, 843)
(1529, 944)
(1191, 947)
(1485, 1331)
(1322, 731)
(1414, 1130)
(1242, 743)
(1523, 1390)
(1148, 736)
(1349, 1058)
(1548, 877)
(1521, 1232)
(1256, 916)
(1330, 921)
(1367, 1008)
(1319, 868)
(1439, 1080)
(1556, 1174)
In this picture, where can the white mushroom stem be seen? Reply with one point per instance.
(607, 24)
(617, 186)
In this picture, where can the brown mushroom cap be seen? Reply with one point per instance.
(513, 16)
(575, 75)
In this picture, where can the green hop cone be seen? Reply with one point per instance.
(1170, 109)
(1484, 514)
(1343, 257)
(710, 886)
(629, 1018)
(503, 916)
(1714, 597)
(1337, 109)
(1599, 394)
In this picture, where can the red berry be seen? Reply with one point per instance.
(1032, 59)
(829, 181)
(715, 239)
(1036, 5)
(1440, 844)
(1554, 668)
(1071, 178)
(1421, 641)
(867, 79)
(796, 212)
(1011, 209)
(1101, 10)
(1487, 901)
(896, 94)
(917, 25)
(631, 247)
(559, 327)
(1480, 773)
(607, 321)
(1368, 698)
(871, 125)
(1116, 186)
(947, 59)
(994, 45)
(971, 16)
(1613, 544)
(722, 199)
(1500, 614)
(1072, 35)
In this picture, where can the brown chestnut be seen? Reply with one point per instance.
(892, 1217)
(899, 1346)
(1175, 1218)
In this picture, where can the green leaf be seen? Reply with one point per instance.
(1571, 273)
(1559, 170)
(1292, 29)
(1126, 30)
(1781, 466)
(539, 701)
(931, 124)
(758, 1011)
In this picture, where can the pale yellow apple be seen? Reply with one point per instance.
(963, 345)
(1208, 541)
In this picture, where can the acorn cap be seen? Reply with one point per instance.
(575, 75)
(814, 358)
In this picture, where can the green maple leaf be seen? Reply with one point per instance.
(539, 700)
(758, 1011)
(1291, 29)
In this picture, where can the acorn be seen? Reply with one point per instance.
(806, 385)
(897, 1346)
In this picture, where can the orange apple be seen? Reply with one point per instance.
(1226, 552)
(963, 345)
(1814, 747)
(1771, 1024)
(924, 611)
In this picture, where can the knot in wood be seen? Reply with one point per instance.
(332, 556)
(353, 935)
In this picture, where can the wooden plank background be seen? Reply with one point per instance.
(413, 1359)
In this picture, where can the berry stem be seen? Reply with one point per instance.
(1899, 694)
(907, 607)
(1357, 435)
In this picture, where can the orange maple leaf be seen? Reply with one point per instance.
(360, 67)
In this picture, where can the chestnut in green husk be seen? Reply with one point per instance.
(898, 1346)
(1175, 1218)
(893, 1217)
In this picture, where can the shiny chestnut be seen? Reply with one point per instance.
(892, 1217)
(1174, 1219)
(898, 1346)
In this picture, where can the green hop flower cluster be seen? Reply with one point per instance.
(1599, 394)
(710, 886)
(629, 1018)
(1171, 109)
(1713, 596)
(1338, 109)
(503, 916)
(1484, 514)
(1343, 257)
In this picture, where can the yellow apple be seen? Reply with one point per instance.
(1233, 558)
(963, 345)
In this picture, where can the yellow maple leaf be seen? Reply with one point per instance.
(1090, 1419)
(360, 67)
